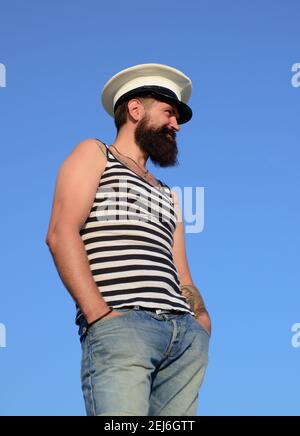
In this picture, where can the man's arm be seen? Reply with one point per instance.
(189, 290)
(76, 186)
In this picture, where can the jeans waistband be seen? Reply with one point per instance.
(151, 309)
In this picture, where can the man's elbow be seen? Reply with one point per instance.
(49, 240)
(60, 235)
(53, 236)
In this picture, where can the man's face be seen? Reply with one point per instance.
(156, 132)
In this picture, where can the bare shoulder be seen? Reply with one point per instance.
(89, 148)
(89, 155)
(76, 185)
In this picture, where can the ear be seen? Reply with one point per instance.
(135, 109)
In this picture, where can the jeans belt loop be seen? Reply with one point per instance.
(158, 311)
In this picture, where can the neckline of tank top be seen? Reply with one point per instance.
(161, 191)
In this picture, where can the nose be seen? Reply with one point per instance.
(174, 124)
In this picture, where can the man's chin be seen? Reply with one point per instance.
(162, 164)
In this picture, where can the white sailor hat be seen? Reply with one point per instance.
(164, 82)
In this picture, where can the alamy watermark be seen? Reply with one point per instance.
(127, 202)
(296, 337)
(2, 336)
(192, 207)
(296, 77)
(2, 76)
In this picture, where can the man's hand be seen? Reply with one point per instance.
(204, 321)
(196, 303)
(112, 314)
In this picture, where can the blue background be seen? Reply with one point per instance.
(242, 146)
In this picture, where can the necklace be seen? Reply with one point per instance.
(158, 186)
(145, 172)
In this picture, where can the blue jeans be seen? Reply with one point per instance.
(143, 363)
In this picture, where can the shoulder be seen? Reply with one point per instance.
(102, 146)
(87, 155)
(90, 149)
(89, 145)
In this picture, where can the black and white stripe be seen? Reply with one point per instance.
(128, 238)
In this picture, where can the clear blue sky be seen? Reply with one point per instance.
(242, 146)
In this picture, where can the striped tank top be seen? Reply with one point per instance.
(128, 237)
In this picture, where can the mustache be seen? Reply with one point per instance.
(165, 130)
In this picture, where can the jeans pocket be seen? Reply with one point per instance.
(106, 320)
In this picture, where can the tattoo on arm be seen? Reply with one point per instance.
(194, 299)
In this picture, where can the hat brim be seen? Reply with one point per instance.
(161, 94)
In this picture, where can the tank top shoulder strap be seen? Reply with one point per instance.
(164, 185)
(101, 149)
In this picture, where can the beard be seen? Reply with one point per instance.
(158, 143)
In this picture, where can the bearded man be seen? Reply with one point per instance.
(116, 235)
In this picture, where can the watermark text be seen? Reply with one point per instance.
(296, 337)
(128, 202)
(2, 336)
(2, 76)
(296, 77)
(192, 205)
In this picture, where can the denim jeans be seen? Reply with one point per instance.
(143, 363)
